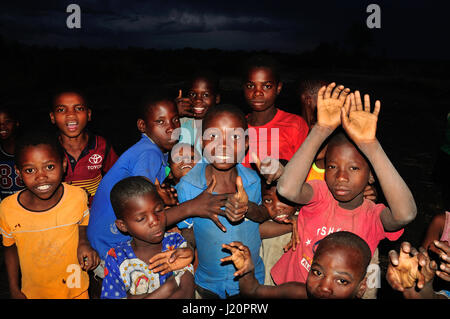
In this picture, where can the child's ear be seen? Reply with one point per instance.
(361, 288)
(121, 225)
(17, 171)
(52, 117)
(371, 178)
(141, 125)
(89, 114)
(217, 98)
(279, 87)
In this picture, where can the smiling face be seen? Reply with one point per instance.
(202, 97)
(336, 273)
(261, 89)
(8, 126)
(224, 140)
(182, 160)
(144, 218)
(346, 174)
(70, 114)
(160, 122)
(278, 210)
(41, 170)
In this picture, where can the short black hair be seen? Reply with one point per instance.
(58, 92)
(225, 108)
(262, 61)
(151, 98)
(127, 189)
(35, 137)
(350, 240)
(207, 75)
(310, 86)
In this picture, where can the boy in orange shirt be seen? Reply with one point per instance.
(44, 226)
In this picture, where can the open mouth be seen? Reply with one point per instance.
(281, 217)
(72, 126)
(43, 188)
(186, 166)
(198, 110)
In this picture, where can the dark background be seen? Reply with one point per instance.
(125, 49)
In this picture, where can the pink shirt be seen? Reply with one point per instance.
(323, 216)
(446, 232)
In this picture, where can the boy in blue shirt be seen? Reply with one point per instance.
(220, 171)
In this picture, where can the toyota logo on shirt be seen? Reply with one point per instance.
(95, 160)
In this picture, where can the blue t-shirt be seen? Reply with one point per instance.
(142, 159)
(211, 274)
(124, 272)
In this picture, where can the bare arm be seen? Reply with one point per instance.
(13, 270)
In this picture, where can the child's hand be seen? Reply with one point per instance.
(168, 194)
(237, 204)
(240, 256)
(403, 270)
(184, 105)
(360, 124)
(329, 105)
(370, 193)
(171, 260)
(444, 269)
(295, 239)
(209, 206)
(271, 169)
(87, 257)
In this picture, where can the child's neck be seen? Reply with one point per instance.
(263, 117)
(8, 145)
(74, 145)
(225, 180)
(31, 202)
(354, 203)
(145, 250)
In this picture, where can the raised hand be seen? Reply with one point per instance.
(237, 204)
(168, 194)
(184, 105)
(329, 104)
(403, 270)
(271, 169)
(444, 270)
(240, 256)
(359, 123)
(171, 260)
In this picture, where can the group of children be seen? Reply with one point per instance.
(210, 202)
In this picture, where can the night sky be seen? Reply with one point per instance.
(410, 29)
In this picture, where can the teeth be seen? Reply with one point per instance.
(43, 187)
(222, 157)
(186, 166)
(281, 216)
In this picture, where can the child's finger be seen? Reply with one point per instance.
(377, 108)
(393, 257)
(328, 90)
(358, 102)
(180, 93)
(344, 94)
(321, 93)
(336, 91)
(352, 102)
(366, 103)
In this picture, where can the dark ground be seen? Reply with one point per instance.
(414, 101)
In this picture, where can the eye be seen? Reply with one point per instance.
(160, 122)
(354, 168)
(268, 201)
(50, 167)
(343, 282)
(331, 166)
(60, 109)
(80, 108)
(192, 94)
(235, 137)
(205, 95)
(140, 219)
(316, 272)
(176, 120)
(249, 86)
(29, 170)
(268, 86)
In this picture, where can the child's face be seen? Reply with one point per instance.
(202, 97)
(224, 141)
(160, 123)
(261, 89)
(278, 210)
(346, 174)
(7, 126)
(144, 218)
(41, 170)
(336, 273)
(182, 163)
(70, 114)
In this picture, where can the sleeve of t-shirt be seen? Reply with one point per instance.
(111, 158)
(84, 209)
(112, 284)
(7, 237)
(320, 192)
(149, 164)
(303, 130)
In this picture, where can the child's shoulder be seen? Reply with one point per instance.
(292, 119)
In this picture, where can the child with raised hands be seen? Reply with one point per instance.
(412, 272)
(338, 271)
(338, 203)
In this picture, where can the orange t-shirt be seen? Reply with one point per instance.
(47, 244)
